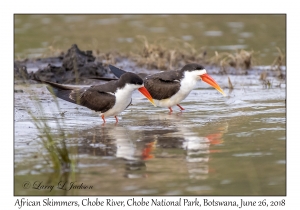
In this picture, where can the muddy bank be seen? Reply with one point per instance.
(72, 67)
(77, 66)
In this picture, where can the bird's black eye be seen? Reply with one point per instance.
(137, 81)
(199, 68)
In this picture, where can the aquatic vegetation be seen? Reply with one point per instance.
(168, 54)
(241, 59)
(278, 63)
(230, 86)
(61, 159)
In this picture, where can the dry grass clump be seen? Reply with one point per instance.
(279, 60)
(241, 59)
(277, 67)
(158, 56)
(107, 57)
(278, 63)
(178, 53)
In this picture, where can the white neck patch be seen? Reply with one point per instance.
(123, 98)
(187, 84)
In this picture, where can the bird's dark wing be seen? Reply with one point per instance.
(98, 98)
(116, 71)
(163, 85)
(109, 87)
(93, 99)
(168, 76)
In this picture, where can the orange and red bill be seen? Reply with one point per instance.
(145, 92)
(209, 80)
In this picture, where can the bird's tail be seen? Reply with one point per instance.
(62, 91)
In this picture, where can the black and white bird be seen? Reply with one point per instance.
(110, 99)
(169, 88)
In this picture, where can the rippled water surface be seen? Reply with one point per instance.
(234, 145)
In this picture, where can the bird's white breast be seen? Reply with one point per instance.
(123, 98)
(187, 84)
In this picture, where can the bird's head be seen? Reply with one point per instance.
(198, 72)
(133, 81)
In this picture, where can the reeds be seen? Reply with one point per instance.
(241, 59)
(174, 53)
(61, 159)
(278, 63)
(161, 56)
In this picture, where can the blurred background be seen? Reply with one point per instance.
(41, 35)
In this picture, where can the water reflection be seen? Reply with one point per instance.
(136, 146)
(197, 147)
(117, 142)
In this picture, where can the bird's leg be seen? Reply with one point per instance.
(181, 108)
(103, 119)
(170, 110)
(116, 120)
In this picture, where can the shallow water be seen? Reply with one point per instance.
(234, 145)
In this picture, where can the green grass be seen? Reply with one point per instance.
(61, 159)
